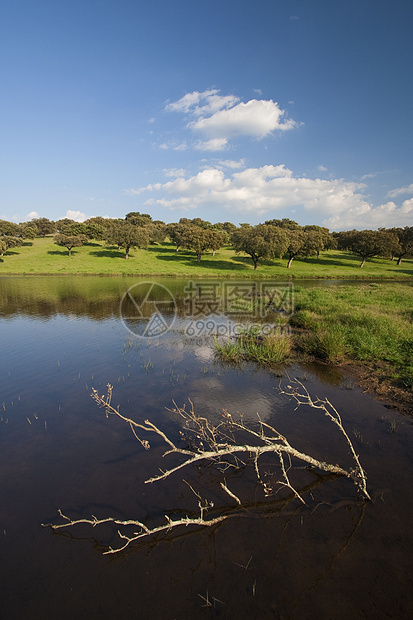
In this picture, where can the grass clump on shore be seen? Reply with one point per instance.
(367, 323)
(327, 344)
(272, 349)
(229, 352)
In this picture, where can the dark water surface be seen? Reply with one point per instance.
(337, 557)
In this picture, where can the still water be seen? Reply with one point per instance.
(335, 557)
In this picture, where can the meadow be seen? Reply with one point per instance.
(43, 256)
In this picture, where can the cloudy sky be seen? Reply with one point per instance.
(239, 110)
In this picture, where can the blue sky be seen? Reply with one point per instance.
(229, 110)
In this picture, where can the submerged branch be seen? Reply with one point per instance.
(222, 444)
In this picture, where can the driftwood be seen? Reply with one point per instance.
(228, 444)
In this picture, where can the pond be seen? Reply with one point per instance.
(336, 556)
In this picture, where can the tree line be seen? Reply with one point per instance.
(272, 239)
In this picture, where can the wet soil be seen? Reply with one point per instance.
(374, 379)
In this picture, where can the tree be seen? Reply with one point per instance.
(156, 229)
(201, 239)
(405, 245)
(321, 238)
(314, 243)
(10, 236)
(296, 245)
(261, 241)
(64, 225)
(228, 227)
(138, 219)
(27, 231)
(7, 242)
(70, 241)
(197, 221)
(366, 243)
(175, 232)
(127, 236)
(104, 222)
(44, 226)
(284, 223)
(71, 227)
(9, 229)
(94, 231)
(96, 227)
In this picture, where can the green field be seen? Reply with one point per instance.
(42, 256)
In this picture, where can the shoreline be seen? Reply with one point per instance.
(240, 276)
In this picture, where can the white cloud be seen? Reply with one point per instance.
(388, 215)
(214, 144)
(77, 216)
(14, 218)
(222, 164)
(322, 168)
(266, 191)
(371, 175)
(174, 172)
(32, 215)
(217, 118)
(139, 190)
(258, 191)
(401, 190)
(256, 118)
(174, 145)
(207, 102)
(181, 147)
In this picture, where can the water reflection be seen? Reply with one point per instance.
(100, 297)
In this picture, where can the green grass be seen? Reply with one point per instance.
(366, 322)
(42, 256)
(362, 323)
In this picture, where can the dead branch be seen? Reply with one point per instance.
(222, 444)
(172, 528)
(331, 412)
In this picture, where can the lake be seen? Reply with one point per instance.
(337, 556)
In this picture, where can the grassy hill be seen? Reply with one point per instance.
(42, 256)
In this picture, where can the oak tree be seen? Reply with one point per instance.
(261, 241)
(127, 236)
(70, 241)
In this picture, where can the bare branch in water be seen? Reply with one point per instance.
(222, 444)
